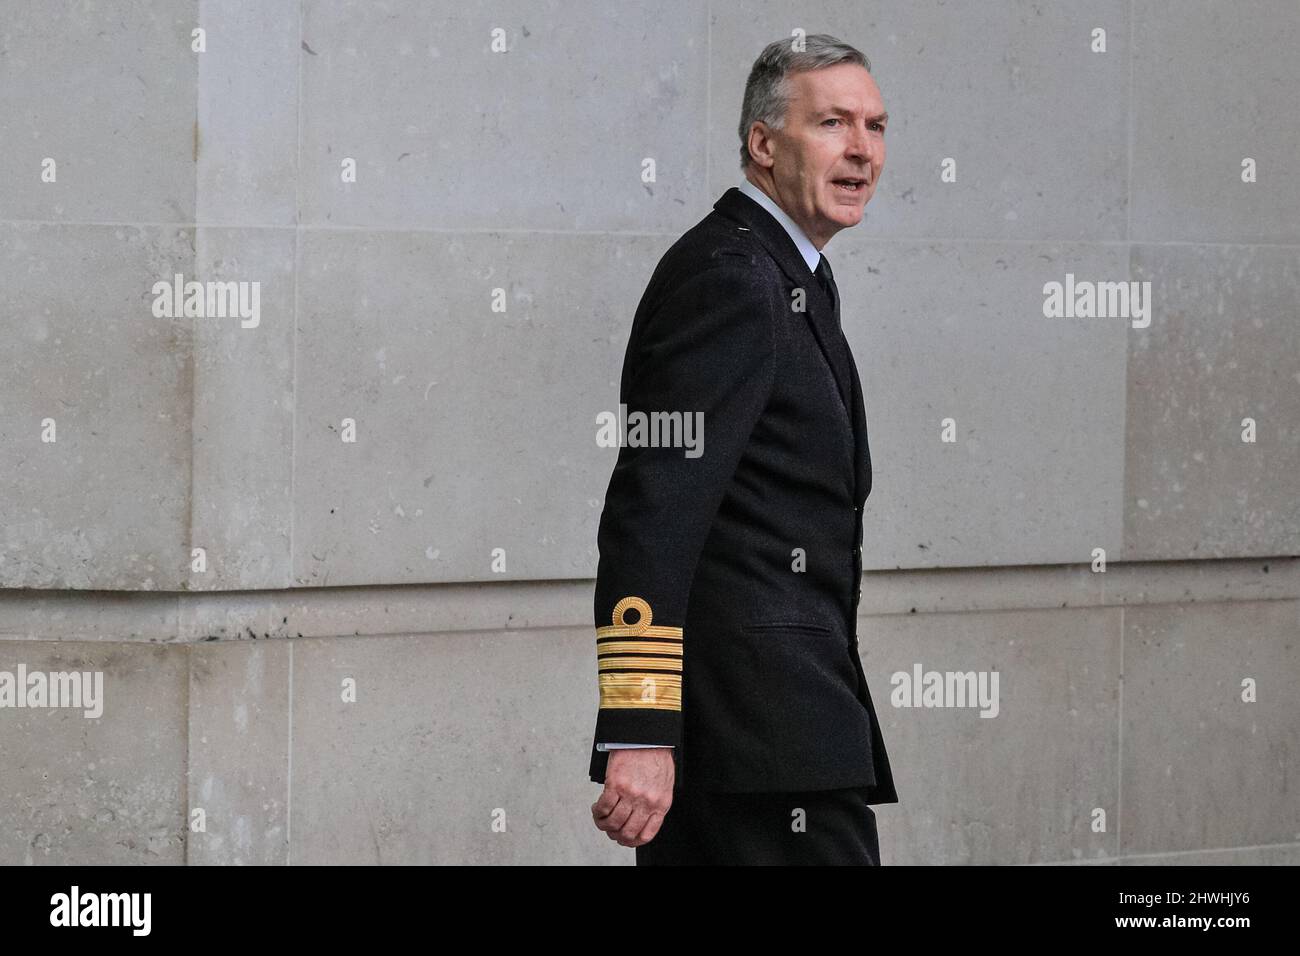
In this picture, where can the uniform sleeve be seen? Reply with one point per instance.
(709, 348)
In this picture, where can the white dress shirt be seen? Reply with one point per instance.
(810, 256)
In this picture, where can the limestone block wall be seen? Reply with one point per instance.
(332, 556)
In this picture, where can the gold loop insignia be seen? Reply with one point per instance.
(642, 607)
(642, 628)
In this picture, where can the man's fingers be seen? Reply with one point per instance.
(606, 802)
(636, 821)
(613, 822)
(650, 830)
(604, 821)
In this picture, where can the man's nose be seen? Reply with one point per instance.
(861, 147)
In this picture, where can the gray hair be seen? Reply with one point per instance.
(767, 91)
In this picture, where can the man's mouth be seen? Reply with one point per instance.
(851, 184)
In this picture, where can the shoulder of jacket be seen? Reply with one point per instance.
(729, 240)
(714, 243)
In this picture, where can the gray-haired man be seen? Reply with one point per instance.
(737, 727)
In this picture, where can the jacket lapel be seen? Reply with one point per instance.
(822, 314)
(818, 308)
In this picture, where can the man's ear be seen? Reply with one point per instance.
(759, 134)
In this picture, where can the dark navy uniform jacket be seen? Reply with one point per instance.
(728, 584)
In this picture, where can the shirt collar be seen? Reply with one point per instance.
(806, 249)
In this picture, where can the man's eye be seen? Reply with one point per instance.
(831, 120)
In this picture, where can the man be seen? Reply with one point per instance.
(735, 724)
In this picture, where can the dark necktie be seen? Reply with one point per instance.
(841, 363)
(838, 345)
(823, 274)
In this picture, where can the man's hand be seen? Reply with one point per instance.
(638, 793)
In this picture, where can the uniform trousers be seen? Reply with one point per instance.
(806, 828)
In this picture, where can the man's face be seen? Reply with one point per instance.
(834, 130)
